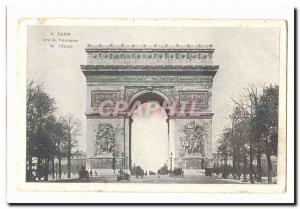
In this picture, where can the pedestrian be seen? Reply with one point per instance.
(83, 174)
(91, 173)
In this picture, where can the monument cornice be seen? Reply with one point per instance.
(131, 55)
(150, 48)
(152, 67)
(147, 72)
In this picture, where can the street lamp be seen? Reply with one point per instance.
(123, 156)
(126, 160)
(171, 155)
(114, 161)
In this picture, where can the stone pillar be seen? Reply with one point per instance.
(127, 146)
(129, 142)
(192, 163)
(106, 161)
(168, 124)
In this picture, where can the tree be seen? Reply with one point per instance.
(47, 137)
(242, 143)
(254, 131)
(247, 105)
(60, 135)
(40, 109)
(72, 129)
(49, 146)
(268, 117)
(225, 149)
(243, 132)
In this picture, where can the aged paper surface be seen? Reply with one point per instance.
(169, 105)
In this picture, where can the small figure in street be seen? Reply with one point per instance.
(84, 174)
(95, 173)
(91, 173)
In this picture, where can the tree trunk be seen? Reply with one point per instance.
(39, 171)
(52, 168)
(46, 173)
(269, 168)
(30, 165)
(29, 171)
(251, 163)
(238, 158)
(239, 170)
(225, 173)
(245, 170)
(59, 165)
(258, 158)
(234, 163)
(69, 155)
(69, 167)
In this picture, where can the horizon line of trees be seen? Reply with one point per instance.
(253, 133)
(48, 137)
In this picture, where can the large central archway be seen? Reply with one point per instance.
(149, 138)
(149, 141)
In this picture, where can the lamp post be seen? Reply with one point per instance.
(218, 154)
(114, 161)
(171, 155)
(123, 156)
(126, 160)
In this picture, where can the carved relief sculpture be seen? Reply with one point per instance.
(105, 139)
(100, 96)
(193, 141)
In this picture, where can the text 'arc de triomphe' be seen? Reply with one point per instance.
(163, 73)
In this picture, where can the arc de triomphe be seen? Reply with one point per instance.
(169, 74)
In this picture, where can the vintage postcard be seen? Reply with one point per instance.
(144, 105)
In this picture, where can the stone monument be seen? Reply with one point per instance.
(172, 74)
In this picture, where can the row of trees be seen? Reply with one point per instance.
(48, 136)
(253, 133)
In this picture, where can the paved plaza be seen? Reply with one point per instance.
(154, 179)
